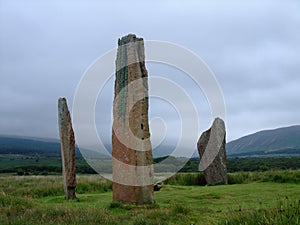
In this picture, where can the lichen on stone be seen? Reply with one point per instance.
(121, 80)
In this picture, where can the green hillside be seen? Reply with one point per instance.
(21, 145)
(281, 141)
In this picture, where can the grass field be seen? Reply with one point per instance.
(259, 198)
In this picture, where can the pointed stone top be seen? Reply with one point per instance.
(62, 99)
(128, 38)
(62, 104)
(218, 122)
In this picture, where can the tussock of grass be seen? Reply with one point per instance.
(119, 205)
(180, 209)
(292, 177)
(63, 215)
(286, 212)
(93, 187)
(51, 185)
(186, 179)
(237, 178)
(9, 201)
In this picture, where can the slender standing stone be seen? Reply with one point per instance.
(131, 147)
(212, 142)
(67, 142)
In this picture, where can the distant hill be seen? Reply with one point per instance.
(281, 141)
(24, 145)
(32, 145)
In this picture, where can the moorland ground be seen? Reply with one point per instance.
(271, 197)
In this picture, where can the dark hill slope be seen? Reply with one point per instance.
(284, 140)
(22, 145)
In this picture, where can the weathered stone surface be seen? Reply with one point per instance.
(212, 142)
(67, 142)
(131, 147)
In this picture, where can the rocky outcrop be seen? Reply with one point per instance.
(158, 186)
(211, 148)
(131, 147)
(67, 142)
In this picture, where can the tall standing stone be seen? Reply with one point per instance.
(131, 146)
(67, 142)
(212, 142)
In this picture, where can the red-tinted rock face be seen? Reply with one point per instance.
(131, 147)
(212, 142)
(67, 142)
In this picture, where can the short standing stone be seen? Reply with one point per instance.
(211, 148)
(67, 141)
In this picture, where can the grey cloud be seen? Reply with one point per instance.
(252, 46)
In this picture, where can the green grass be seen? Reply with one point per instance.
(186, 179)
(292, 176)
(43, 186)
(286, 212)
(29, 199)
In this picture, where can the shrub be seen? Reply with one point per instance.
(186, 179)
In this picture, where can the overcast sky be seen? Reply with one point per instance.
(252, 46)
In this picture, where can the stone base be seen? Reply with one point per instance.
(133, 194)
(71, 193)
